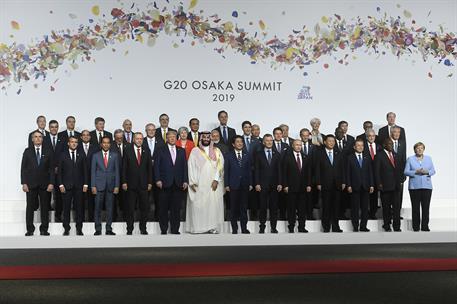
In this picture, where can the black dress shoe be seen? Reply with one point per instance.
(302, 230)
(262, 230)
(110, 233)
(372, 217)
(144, 232)
(291, 230)
(274, 230)
(66, 232)
(310, 218)
(97, 233)
(163, 232)
(129, 232)
(176, 232)
(29, 233)
(245, 231)
(401, 217)
(425, 229)
(337, 230)
(355, 229)
(397, 230)
(364, 229)
(326, 230)
(79, 232)
(234, 232)
(45, 233)
(387, 228)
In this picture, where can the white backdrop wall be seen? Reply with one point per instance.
(118, 85)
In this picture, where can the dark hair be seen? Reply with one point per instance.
(367, 122)
(359, 139)
(41, 116)
(69, 117)
(386, 140)
(98, 119)
(329, 136)
(85, 131)
(277, 129)
(221, 112)
(267, 135)
(105, 136)
(192, 119)
(342, 122)
(245, 123)
(71, 137)
(163, 114)
(237, 136)
(33, 133)
(53, 121)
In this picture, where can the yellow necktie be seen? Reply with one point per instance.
(196, 139)
(164, 135)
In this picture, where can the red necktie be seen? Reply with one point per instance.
(298, 162)
(138, 156)
(105, 160)
(128, 137)
(371, 152)
(392, 160)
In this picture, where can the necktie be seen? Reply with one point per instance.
(224, 134)
(73, 159)
(330, 157)
(71, 133)
(248, 143)
(128, 137)
(120, 149)
(371, 152)
(53, 143)
(99, 137)
(305, 147)
(239, 159)
(269, 157)
(196, 139)
(396, 146)
(138, 156)
(86, 149)
(340, 146)
(392, 160)
(298, 161)
(360, 160)
(278, 147)
(164, 135)
(38, 156)
(173, 154)
(151, 147)
(105, 160)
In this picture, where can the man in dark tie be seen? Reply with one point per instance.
(87, 149)
(137, 181)
(359, 183)
(255, 131)
(56, 146)
(342, 147)
(348, 139)
(366, 126)
(37, 179)
(308, 150)
(226, 133)
(216, 139)
(72, 181)
(285, 134)
(385, 131)
(372, 148)
(105, 180)
(120, 144)
(281, 148)
(70, 122)
(238, 181)
(170, 170)
(127, 131)
(161, 133)
(399, 148)
(99, 132)
(41, 125)
(267, 180)
(330, 181)
(296, 181)
(194, 135)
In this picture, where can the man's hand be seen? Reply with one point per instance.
(258, 188)
(250, 188)
(214, 185)
(286, 189)
(349, 189)
(279, 188)
(50, 188)
(159, 184)
(62, 188)
(149, 187)
(343, 186)
(116, 190)
(380, 187)
(124, 187)
(227, 189)
(193, 188)
(371, 189)
(308, 189)
(94, 190)
(85, 187)
(319, 187)
(184, 186)
(25, 188)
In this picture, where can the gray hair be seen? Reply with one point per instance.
(315, 120)
(183, 129)
(370, 130)
(149, 125)
(117, 131)
(394, 128)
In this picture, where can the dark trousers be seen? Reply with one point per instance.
(107, 197)
(37, 197)
(391, 208)
(330, 209)
(132, 196)
(373, 203)
(268, 200)
(58, 203)
(282, 205)
(120, 206)
(420, 199)
(253, 205)
(238, 208)
(359, 203)
(169, 208)
(296, 204)
(309, 205)
(89, 205)
(344, 204)
(74, 196)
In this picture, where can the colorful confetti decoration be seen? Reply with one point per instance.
(333, 36)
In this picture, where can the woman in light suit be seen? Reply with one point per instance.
(419, 168)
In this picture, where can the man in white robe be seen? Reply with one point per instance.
(205, 200)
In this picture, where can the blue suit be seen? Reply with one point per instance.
(105, 180)
(238, 178)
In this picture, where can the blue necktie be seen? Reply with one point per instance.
(360, 161)
(224, 134)
(248, 143)
(38, 157)
(306, 149)
(330, 157)
(240, 161)
(269, 157)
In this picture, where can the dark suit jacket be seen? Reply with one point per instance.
(72, 175)
(46, 139)
(189, 136)
(166, 172)
(297, 180)
(383, 133)
(359, 178)
(35, 175)
(59, 146)
(92, 149)
(385, 174)
(94, 137)
(231, 133)
(223, 147)
(124, 139)
(366, 150)
(267, 175)
(159, 134)
(105, 179)
(64, 136)
(329, 176)
(237, 177)
(137, 177)
(284, 148)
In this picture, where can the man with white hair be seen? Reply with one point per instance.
(385, 131)
(128, 133)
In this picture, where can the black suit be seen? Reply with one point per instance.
(94, 137)
(383, 133)
(252, 147)
(231, 133)
(153, 195)
(137, 176)
(120, 199)
(191, 134)
(64, 137)
(37, 176)
(331, 178)
(267, 174)
(88, 196)
(73, 175)
(401, 156)
(46, 139)
(360, 179)
(388, 178)
(312, 198)
(282, 200)
(159, 134)
(296, 179)
(57, 145)
(373, 196)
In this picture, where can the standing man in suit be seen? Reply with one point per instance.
(385, 131)
(360, 184)
(285, 134)
(37, 179)
(226, 133)
(56, 147)
(342, 147)
(371, 149)
(194, 135)
(399, 147)
(164, 122)
(296, 180)
(238, 181)
(308, 150)
(348, 139)
(105, 180)
(267, 180)
(119, 145)
(73, 181)
(41, 126)
(281, 148)
(171, 178)
(216, 139)
(127, 131)
(70, 122)
(99, 132)
(366, 126)
(255, 131)
(87, 149)
(152, 145)
(331, 182)
(137, 181)
(388, 178)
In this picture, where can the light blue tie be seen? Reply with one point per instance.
(330, 157)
